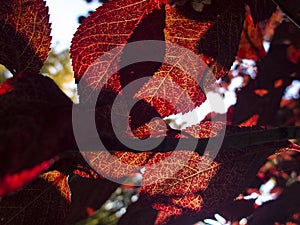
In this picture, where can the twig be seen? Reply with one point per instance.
(293, 15)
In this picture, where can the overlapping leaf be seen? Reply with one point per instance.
(117, 164)
(109, 27)
(49, 195)
(12, 182)
(220, 43)
(34, 124)
(24, 35)
(172, 89)
(182, 180)
(177, 178)
(178, 173)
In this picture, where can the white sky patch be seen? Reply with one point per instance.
(293, 90)
(214, 103)
(64, 18)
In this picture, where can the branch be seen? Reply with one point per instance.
(291, 12)
(239, 140)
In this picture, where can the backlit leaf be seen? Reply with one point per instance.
(162, 218)
(171, 90)
(117, 164)
(178, 173)
(167, 208)
(59, 181)
(109, 27)
(183, 181)
(205, 129)
(44, 201)
(251, 43)
(12, 182)
(220, 43)
(24, 35)
(35, 125)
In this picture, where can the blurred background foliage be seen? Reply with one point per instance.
(58, 67)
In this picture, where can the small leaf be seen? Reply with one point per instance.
(24, 35)
(251, 43)
(261, 10)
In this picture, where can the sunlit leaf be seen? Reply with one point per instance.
(44, 201)
(109, 27)
(24, 35)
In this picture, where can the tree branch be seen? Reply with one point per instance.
(238, 140)
(291, 12)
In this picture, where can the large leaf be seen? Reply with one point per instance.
(45, 201)
(12, 182)
(35, 126)
(109, 27)
(184, 181)
(172, 90)
(24, 35)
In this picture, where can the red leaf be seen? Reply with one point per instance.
(156, 128)
(12, 182)
(60, 182)
(177, 205)
(110, 26)
(24, 35)
(117, 164)
(178, 173)
(220, 43)
(251, 43)
(171, 90)
(44, 201)
(205, 129)
(168, 208)
(162, 218)
(35, 124)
